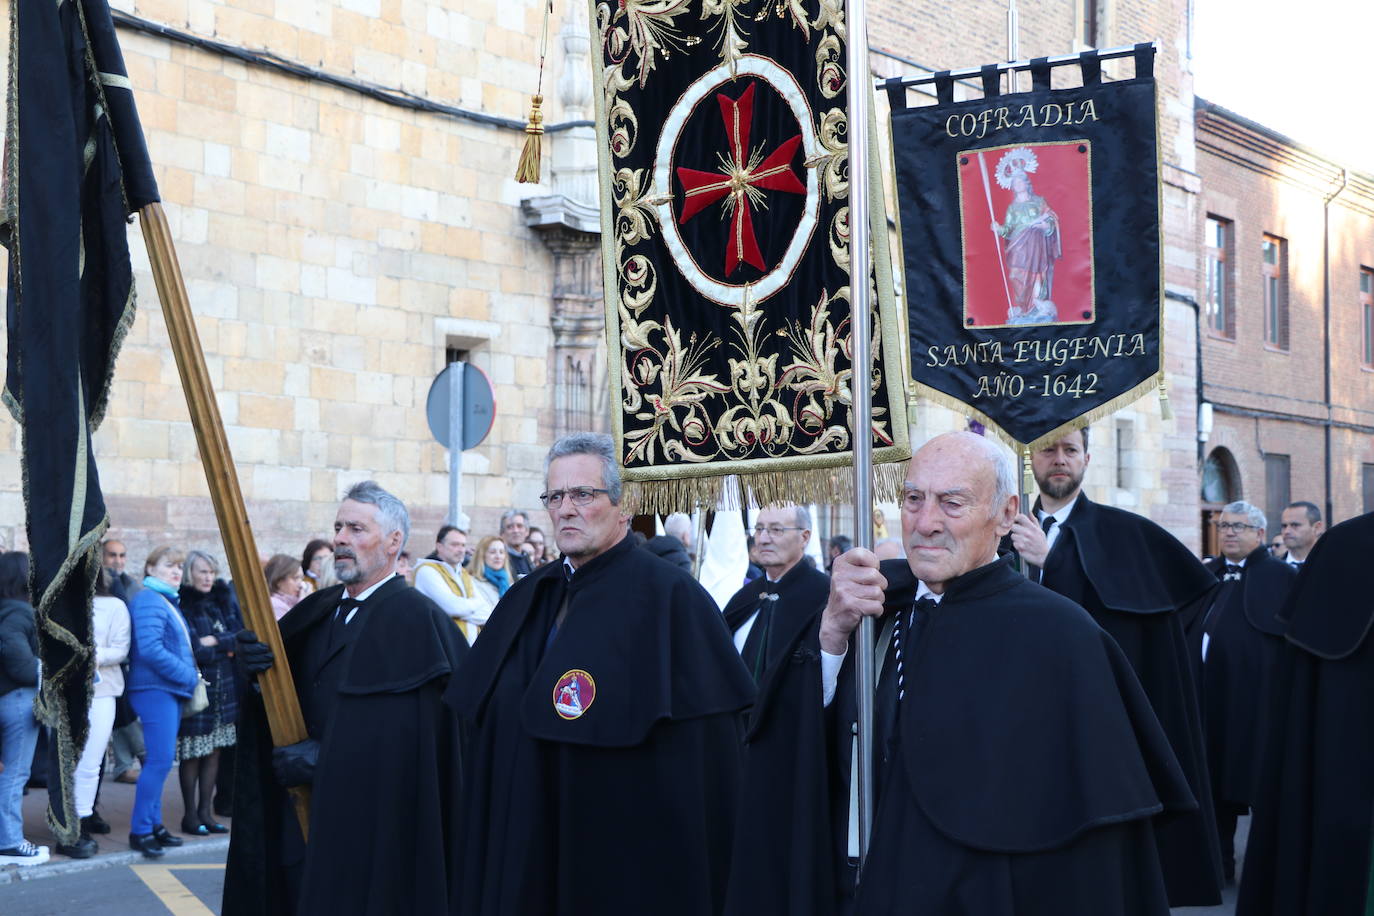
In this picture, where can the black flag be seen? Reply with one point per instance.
(76, 166)
(1030, 230)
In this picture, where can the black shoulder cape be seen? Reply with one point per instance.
(1031, 764)
(1144, 588)
(802, 592)
(385, 796)
(1310, 840)
(625, 801)
(1243, 631)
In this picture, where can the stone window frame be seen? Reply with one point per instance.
(1218, 239)
(1274, 290)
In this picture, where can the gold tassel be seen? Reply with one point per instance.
(527, 172)
(1027, 475)
(1166, 412)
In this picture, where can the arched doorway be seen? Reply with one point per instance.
(1220, 485)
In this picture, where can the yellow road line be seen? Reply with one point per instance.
(175, 896)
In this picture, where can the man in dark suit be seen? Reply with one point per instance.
(370, 660)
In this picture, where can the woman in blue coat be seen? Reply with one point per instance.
(162, 673)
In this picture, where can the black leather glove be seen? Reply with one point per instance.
(294, 765)
(252, 655)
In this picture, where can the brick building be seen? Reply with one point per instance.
(1286, 276)
(338, 175)
(1139, 461)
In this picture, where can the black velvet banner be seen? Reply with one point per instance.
(725, 186)
(1030, 234)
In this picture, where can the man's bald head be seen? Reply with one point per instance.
(959, 499)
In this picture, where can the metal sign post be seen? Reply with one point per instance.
(455, 438)
(861, 394)
(461, 409)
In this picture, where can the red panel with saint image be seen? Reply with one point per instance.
(1027, 234)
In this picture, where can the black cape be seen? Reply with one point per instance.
(1244, 635)
(801, 593)
(1144, 587)
(384, 803)
(628, 805)
(1310, 837)
(670, 550)
(1024, 777)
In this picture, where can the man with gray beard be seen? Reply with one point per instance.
(370, 659)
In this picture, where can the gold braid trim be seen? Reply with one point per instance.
(816, 485)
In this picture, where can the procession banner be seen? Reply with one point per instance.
(76, 166)
(725, 240)
(1030, 232)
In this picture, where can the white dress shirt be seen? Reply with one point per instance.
(830, 664)
(362, 596)
(430, 582)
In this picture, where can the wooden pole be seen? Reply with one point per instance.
(278, 689)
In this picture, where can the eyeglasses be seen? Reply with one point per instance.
(774, 531)
(1236, 526)
(580, 496)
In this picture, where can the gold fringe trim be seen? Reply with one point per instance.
(925, 392)
(816, 485)
(528, 170)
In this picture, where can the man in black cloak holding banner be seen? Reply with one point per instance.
(1309, 850)
(370, 659)
(1143, 587)
(1236, 644)
(601, 709)
(1019, 766)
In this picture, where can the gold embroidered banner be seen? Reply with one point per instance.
(722, 131)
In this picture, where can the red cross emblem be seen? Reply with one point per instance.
(740, 181)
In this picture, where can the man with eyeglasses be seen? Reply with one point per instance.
(768, 615)
(1018, 769)
(602, 706)
(1237, 644)
(1141, 585)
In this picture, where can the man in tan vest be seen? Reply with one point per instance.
(444, 580)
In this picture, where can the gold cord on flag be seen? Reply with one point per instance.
(528, 170)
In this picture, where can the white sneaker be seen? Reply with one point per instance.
(24, 854)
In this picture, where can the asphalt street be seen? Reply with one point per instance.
(185, 886)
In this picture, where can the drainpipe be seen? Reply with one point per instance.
(1326, 331)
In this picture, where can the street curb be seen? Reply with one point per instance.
(54, 869)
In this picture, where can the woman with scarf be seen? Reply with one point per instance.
(489, 570)
(162, 673)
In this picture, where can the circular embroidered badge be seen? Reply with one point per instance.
(573, 694)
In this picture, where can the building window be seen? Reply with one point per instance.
(1275, 257)
(1367, 472)
(1220, 307)
(1367, 309)
(1125, 453)
(1276, 490)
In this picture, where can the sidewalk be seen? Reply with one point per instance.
(115, 805)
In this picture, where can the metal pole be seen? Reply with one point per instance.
(455, 440)
(1014, 65)
(861, 394)
(1014, 39)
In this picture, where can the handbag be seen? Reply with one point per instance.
(199, 699)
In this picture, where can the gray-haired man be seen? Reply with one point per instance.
(370, 659)
(1238, 643)
(602, 710)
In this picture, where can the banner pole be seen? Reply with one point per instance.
(861, 392)
(278, 689)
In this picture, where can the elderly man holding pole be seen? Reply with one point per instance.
(1018, 764)
(371, 659)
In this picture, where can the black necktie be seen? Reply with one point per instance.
(346, 607)
(1047, 523)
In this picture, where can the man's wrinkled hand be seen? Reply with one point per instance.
(1029, 540)
(856, 592)
(294, 765)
